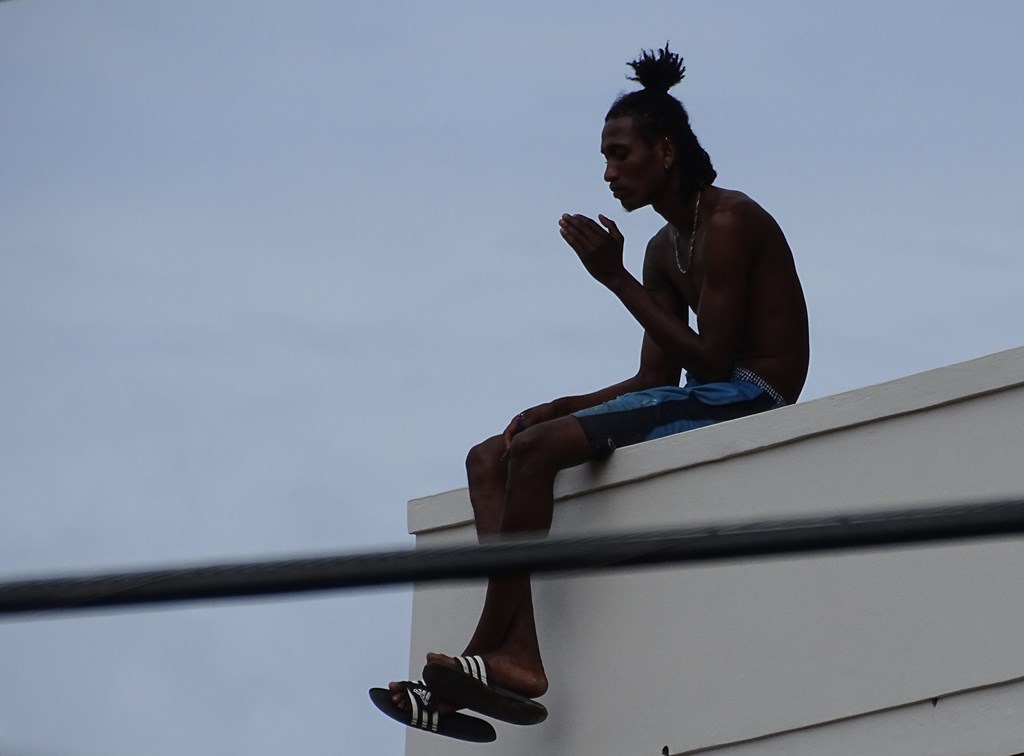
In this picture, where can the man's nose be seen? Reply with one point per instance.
(609, 174)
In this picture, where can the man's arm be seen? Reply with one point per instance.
(656, 368)
(711, 353)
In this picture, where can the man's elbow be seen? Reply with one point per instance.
(719, 373)
(715, 368)
(651, 378)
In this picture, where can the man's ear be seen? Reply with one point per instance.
(667, 152)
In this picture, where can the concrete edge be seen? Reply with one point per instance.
(951, 696)
(902, 396)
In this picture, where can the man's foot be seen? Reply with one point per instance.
(400, 698)
(528, 680)
(479, 685)
(420, 712)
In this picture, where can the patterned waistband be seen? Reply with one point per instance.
(742, 374)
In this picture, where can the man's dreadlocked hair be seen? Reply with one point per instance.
(657, 114)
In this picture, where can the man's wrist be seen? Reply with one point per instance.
(563, 406)
(620, 284)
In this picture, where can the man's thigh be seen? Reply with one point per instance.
(560, 443)
(665, 411)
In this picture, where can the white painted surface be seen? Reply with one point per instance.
(695, 657)
(982, 722)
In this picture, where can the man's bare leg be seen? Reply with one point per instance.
(506, 633)
(487, 471)
(487, 474)
(515, 494)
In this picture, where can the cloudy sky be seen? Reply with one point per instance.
(268, 269)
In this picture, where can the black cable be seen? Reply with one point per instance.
(516, 556)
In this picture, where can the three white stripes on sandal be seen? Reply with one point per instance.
(474, 665)
(419, 700)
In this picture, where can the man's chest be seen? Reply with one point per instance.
(686, 283)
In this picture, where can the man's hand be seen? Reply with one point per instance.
(599, 250)
(539, 414)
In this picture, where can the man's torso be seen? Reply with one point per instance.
(774, 334)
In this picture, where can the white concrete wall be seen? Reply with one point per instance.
(980, 722)
(697, 657)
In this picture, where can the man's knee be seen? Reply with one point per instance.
(484, 458)
(543, 446)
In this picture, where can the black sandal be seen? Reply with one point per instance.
(422, 714)
(468, 686)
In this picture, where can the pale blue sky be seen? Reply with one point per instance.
(267, 270)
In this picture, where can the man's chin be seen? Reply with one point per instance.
(631, 201)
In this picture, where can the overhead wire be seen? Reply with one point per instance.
(511, 556)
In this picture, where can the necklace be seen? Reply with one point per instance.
(693, 235)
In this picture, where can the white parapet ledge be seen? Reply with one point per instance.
(983, 720)
(749, 435)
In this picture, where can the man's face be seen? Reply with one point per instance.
(635, 171)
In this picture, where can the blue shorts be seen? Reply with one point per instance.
(667, 410)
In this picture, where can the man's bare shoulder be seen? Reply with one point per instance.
(732, 206)
(658, 245)
(744, 222)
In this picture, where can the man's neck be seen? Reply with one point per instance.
(678, 209)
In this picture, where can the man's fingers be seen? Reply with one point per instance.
(581, 228)
(610, 225)
(588, 226)
(518, 423)
(572, 233)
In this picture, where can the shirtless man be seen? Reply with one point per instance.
(720, 255)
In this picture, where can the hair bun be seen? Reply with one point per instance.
(658, 72)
